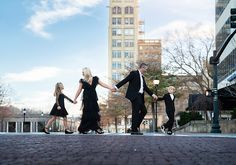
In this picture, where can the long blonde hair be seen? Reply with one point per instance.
(87, 73)
(57, 90)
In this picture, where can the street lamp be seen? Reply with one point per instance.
(24, 111)
(156, 83)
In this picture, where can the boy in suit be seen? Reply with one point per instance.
(169, 99)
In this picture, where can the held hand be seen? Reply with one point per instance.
(154, 97)
(58, 107)
(75, 102)
(113, 89)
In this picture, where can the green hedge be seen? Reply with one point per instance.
(233, 114)
(186, 117)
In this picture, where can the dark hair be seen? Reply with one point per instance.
(142, 65)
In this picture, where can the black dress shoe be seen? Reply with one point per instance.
(45, 130)
(83, 132)
(129, 130)
(136, 133)
(68, 132)
(99, 131)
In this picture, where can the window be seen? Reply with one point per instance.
(129, 32)
(129, 65)
(116, 43)
(116, 32)
(129, 21)
(116, 21)
(129, 10)
(129, 43)
(116, 76)
(116, 54)
(116, 65)
(129, 54)
(116, 10)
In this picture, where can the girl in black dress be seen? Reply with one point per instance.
(59, 109)
(90, 110)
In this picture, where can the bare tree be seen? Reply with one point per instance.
(188, 54)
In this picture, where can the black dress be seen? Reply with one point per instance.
(60, 112)
(90, 117)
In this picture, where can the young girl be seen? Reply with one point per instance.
(59, 109)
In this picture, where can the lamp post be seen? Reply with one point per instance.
(24, 111)
(215, 125)
(156, 83)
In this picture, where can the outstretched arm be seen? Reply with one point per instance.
(105, 85)
(70, 100)
(78, 92)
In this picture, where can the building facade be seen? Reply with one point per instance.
(227, 61)
(123, 37)
(149, 52)
(227, 65)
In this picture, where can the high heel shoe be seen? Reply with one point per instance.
(68, 132)
(99, 131)
(45, 130)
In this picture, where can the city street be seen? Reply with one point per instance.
(117, 149)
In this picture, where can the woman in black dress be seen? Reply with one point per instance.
(59, 109)
(90, 110)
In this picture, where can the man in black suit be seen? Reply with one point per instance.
(135, 93)
(169, 99)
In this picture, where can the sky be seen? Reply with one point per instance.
(47, 41)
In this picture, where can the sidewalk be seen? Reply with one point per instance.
(117, 149)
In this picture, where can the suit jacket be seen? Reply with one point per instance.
(134, 85)
(169, 103)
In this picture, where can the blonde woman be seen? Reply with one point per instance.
(59, 109)
(90, 110)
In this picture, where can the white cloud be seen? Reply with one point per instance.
(51, 11)
(36, 74)
(196, 29)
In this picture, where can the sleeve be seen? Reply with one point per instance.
(125, 80)
(68, 99)
(82, 82)
(162, 97)
(96, 79)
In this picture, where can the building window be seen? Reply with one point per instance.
(129, 10)
(129, 21)
(129, 43)
(116, 76)
(116, 54)
(129, 65)
(129, 32)
(116, 32)
(116, 43)
(116, 10)
(116, 21)
(129, 54)
(116, 65)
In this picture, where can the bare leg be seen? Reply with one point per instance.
(65, 123)
(53, 118)
(65, 126)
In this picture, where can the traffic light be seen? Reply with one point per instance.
(233, 18)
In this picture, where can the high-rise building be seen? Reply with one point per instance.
(123, 37)
(227, 61)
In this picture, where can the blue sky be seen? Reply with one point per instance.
(46, 41)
